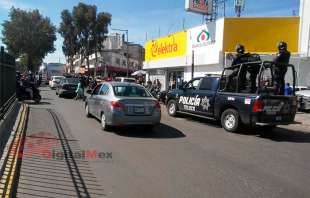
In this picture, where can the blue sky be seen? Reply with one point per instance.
(144, 19)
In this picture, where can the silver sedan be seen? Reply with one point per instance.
(121, 104)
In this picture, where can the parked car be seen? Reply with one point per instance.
(301, 88)
(125, 79)
(55, 80)
(303, 99)
(121, 104)
(67, 87)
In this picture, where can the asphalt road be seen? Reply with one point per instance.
(183, 157)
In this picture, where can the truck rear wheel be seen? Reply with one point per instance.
(230, 120)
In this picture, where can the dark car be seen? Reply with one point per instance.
(67, 87)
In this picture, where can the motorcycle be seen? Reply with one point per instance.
(23, 94)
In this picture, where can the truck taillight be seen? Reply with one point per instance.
(117, 105)
(258, 106)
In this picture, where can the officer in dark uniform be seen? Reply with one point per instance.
(238, 59)
(280, 69)
(254, 69)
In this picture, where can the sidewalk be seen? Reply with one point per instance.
(50, 166)
(303, 120)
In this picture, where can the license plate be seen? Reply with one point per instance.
(139, 109)
(278, 118)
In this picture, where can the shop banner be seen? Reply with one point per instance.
(174, 45)
(202, 36)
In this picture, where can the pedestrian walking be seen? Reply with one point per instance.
(80, 90)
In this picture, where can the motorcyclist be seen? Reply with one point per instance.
(28, 86)
(238, 59)
(280, 69)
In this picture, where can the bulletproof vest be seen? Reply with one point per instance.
(240, 58)
(283, 57)
(254, 67)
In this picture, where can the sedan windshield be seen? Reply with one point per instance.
(131, 91)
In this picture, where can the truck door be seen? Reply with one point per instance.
(207, 91)
(188, 101)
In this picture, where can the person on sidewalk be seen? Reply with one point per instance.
(79, 91)
(288, 90)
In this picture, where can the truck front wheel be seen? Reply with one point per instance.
(230, 120)
(172, 108)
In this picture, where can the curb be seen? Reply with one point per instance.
(10, 158)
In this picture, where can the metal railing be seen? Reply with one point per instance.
(7, 81)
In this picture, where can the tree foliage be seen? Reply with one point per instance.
(90, 29)
(68, 31)
(29, 34)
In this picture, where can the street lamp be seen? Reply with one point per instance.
(127, 49)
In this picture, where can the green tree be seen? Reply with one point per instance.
(69, 32)
(29, 33)
(84, 17)
(100, 31)
(22, 65)
(84, 31)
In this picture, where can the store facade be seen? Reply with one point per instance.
(170, 58)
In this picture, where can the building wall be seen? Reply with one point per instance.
(115, 54)
(304, 36)
(261, 35)
(114, 41)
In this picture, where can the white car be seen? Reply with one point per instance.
(125, 79)
(303, 99)
(55, 80)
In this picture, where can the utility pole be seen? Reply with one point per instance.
(239, 6)
(193, 64)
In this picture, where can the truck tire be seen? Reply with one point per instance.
(230, 120)
(172, 108)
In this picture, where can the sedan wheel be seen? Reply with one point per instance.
(87, 111)
(104, 125)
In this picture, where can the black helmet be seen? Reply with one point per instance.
(282, 45)
(240, 49)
